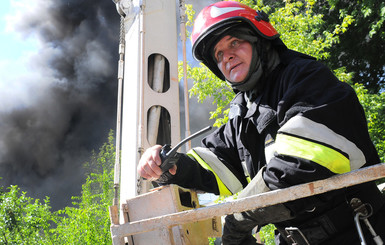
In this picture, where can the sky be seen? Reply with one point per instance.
(13, 45)
(16, 50)
(16, 45)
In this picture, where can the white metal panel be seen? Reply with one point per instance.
(130, 111)
(153, 31)
(160, 37)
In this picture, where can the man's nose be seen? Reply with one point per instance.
(228, 55)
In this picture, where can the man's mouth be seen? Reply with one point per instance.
(234, 66)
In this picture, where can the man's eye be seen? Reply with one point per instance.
(234, 43)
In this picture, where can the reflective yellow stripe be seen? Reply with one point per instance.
(223, 190)
(325, 156)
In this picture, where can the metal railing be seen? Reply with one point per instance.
(119, 231)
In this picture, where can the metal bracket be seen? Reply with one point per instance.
(363, 212)
(127, 8)
(296, 236)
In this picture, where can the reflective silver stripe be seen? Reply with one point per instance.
(304, 127)
(247, 175)
(269, 152)
(226, 176)
(256, 186)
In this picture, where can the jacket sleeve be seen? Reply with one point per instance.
(323, 129)
(215, 167)
(190, 174)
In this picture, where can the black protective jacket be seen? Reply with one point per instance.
(306, 125)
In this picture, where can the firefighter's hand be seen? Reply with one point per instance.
(149, 163)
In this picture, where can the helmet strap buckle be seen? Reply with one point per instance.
(261, 16)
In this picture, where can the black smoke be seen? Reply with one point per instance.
(71, 109)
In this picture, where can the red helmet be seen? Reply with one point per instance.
(224, 14)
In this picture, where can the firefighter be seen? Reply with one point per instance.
(291, 122)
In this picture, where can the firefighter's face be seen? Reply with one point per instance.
(233, 57)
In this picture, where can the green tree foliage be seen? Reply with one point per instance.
(300, 27)
(267, 234)
(219, 91)
(361, 46)
(87, 222)
(24, 220)
(374, 106)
